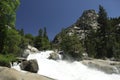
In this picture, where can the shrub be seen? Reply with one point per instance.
(6, 59)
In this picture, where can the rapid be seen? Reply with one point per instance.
(65, 70)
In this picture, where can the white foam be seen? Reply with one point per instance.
(63, 70)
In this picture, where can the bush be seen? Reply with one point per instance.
(72, 46)
(6, 59)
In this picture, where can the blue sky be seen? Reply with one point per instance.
(57, 14)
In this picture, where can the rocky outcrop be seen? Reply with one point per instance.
(103, 65)
(12, 74)
(30, 65)
(87, 22)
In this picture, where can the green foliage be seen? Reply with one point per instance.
(91, 44)
(38, 42)
(41, 41)
(11, 41)
(21, 32)
(106, 41)
(40, 33)
(45, 33)
(102, 33)
(9, 37)
(8, 12)
(6, 59)
(71, 46)
(30, 39)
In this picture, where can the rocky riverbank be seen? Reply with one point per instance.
(106, 66)
(12, 74)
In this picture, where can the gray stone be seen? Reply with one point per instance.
(103, 65)
(54, 56)
(31, 66)
(29, 50)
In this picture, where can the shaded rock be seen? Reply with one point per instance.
(12, 74)
(103, 65)
(31, 66)
(54, 56)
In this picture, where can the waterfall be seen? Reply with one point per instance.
(64, 70)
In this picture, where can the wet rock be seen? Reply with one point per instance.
(31, 66)
(54, 56)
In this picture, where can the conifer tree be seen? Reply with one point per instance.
(102, 33)
(42, 41)
(71, 45)
(7, 22)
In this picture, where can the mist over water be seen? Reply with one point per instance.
(64, 70)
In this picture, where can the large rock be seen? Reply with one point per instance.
(31, 66)
(29, 50)
(12, 74)
(103, 65)
(26, 53)
(32, 49)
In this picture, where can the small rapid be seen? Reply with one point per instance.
(64, 70)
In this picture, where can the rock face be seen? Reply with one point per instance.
(103, 65)
(30, 66)
(87, 22)
(12, 74)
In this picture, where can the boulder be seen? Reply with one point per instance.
(103, 65)
(31, 66)
(54, 56)
(29, 50)
(26, 53)
(32, 49)
(12, 74)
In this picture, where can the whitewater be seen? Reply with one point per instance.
(64, 70)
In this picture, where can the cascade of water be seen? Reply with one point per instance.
(63, 70)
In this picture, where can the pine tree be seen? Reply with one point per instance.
(90, 42)
(7, 22)
(45, 33)
(38, 40)
(42, 41)
(40, 33)
(102, 33)
(71, 45)
(45, 41)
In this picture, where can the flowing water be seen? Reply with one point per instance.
(64, 70)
